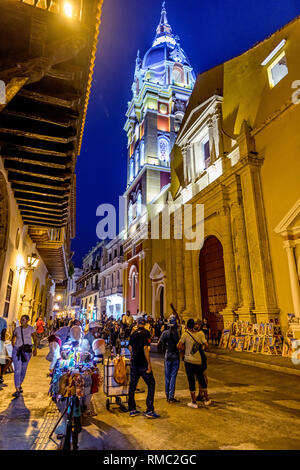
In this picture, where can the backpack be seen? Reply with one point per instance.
(120, 374)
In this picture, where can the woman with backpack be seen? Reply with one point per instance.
(169, 340)
(191, 346)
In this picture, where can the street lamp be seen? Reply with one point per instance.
(32, 263)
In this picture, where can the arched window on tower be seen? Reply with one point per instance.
(178, 74)
(137, 162)
(131, 170)
(142, 153)
(139, 205)
(130, 213)
(163, 148)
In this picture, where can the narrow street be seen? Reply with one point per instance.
(248, 402)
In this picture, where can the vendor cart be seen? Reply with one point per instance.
(114, 391)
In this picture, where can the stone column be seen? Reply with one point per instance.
(141, 281)
(125, 285)
(196, 279)
(188, 283)
(247, 306)
(184, 158)
(242, 254)
(229, 265)
(256, 229)
(295, 288)
(180, 287)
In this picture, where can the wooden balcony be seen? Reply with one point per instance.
(52, 247)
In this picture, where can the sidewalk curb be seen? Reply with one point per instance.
(261, 365)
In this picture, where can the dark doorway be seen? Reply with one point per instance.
(212, 283)
(161, 303)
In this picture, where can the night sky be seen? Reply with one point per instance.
(211, 32)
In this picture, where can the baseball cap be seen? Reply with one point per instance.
(172, 320)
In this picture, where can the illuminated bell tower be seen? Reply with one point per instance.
(163, 83)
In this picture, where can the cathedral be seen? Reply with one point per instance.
(227, 144)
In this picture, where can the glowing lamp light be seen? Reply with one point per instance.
(32, 261)
(20, 263)
(58, 297)
(68, 9)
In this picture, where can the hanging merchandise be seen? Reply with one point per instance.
(75, 373)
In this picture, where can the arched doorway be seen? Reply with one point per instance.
(162, 303)
(212, 283)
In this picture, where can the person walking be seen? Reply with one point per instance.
(22, 351)
(40, 330)
(190, 343)
(127, 323)
(169, 339)
(139, 346)
(3, 329)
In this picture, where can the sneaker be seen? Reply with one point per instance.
(173, 400)
(207, 402)
(16, 394)
(134, 413)
(21, 390)
(192, 405)
(152, 414)
(1, 380)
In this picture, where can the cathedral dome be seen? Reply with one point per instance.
(157, 55)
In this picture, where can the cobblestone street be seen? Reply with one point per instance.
(247, 402)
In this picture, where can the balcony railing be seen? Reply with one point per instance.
(70, 8)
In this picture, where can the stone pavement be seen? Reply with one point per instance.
(253, 408)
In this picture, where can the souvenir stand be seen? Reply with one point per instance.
(265, 338)
(74, 379)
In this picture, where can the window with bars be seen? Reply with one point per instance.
(8, 293)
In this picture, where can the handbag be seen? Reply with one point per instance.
(198, 347)
(25, 348)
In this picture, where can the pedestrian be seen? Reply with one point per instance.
(205, 328)
(182, 328)
(49, 325)
(127, 322)
(94, 333)
(40, 330)
(3, 329)
(169, 339)
(139, 346)
(22, 351)
(194, 367)
(115, 340)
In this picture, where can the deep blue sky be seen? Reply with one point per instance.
(211, 32)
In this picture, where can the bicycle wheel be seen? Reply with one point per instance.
(75, 431)
(67, 438)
